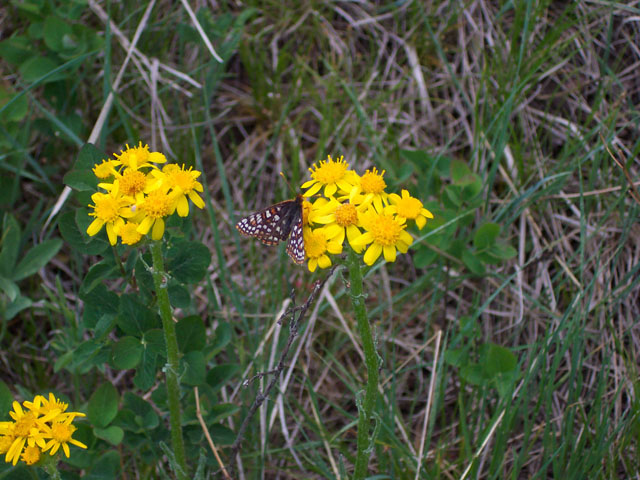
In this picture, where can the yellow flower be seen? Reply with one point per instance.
(385, 233)
(7, 436)
(156, 206)
(138, 157)
(129, 233)
(104, 170)
(24, 422)
(109, 209)
(369, 190)
(408, 208)
(31, 455)
(60, 433)
(317, 243)
(343, 216)
(183, 184)
(331, 174)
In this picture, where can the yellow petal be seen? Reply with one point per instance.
(158, 229)
(111, 233)
(313, 190)
(389, 253)
(421, 222)
(313, 264)
(324, 261)
(330, 189)
(145, 225)
(195, 198)
(372, 254)
(183, 206)
(95, 227)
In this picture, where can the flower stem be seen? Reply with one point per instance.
(371, 361)
(51, 468)
(173, 385)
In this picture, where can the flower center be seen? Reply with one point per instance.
(315, 244)
(107, 208)
(346, 214)
(129, 234)
(409, 207)
(157, 204)
(183, 180)
(372, 181)
(132, 182)
(329, 172)
(24, 425)
(385, 230)
(61, 432)
(31, 455)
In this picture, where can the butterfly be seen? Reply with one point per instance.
(277, 223)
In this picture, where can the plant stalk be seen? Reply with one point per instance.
(371, 360)
(173, 361)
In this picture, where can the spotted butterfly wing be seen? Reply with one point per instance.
(275, 224)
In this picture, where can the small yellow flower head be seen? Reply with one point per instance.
(342, 215)
(409, 208)
(133, 183)
(31, 455)
(60, 433)
(156, 206)
(183, 184)
(333, 175)
(104, 170)
(317, 243)
(385, 233)
(370, 190)
(138, 157)
(129, 233)
(109, 210)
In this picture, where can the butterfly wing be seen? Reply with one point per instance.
(295, 246)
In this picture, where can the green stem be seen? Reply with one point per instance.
(371, 360)
(173, 362)
(51, 468)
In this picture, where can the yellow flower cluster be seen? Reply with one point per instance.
(42, 425)
(358, 208)
(138, 195)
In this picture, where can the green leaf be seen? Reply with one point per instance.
(424, 256)
(221, 411)
(187, 262)
(195, 371)
(6, 399)
(497, 359)
(222, 435)
(77, 240)
(473, 374)
(9, 245)
(146, 371)
(126, 353)
(97, 303)
(9, 288)
(134, 318)
(191, 334)
(36, 258)
(98, 273)
(81, 180)
(18, 108)
(112, 434)
(17, 49)
(452, 195)
(472, 262)
(103, 405)
(16, 306)
(36, 68)
(222, 338)
(460, 172)
(219, 375)
(145, 416)
(502, 251)
(456, 357)
(143, 276)
(88, 157)
(107, 467)
(179, 296)
(486, 235)
(55, 33)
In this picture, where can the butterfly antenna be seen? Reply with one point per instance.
(288, 184)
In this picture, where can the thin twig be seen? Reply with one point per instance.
(206, 434)
(293, 329)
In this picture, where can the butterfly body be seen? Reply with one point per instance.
(278, 223)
